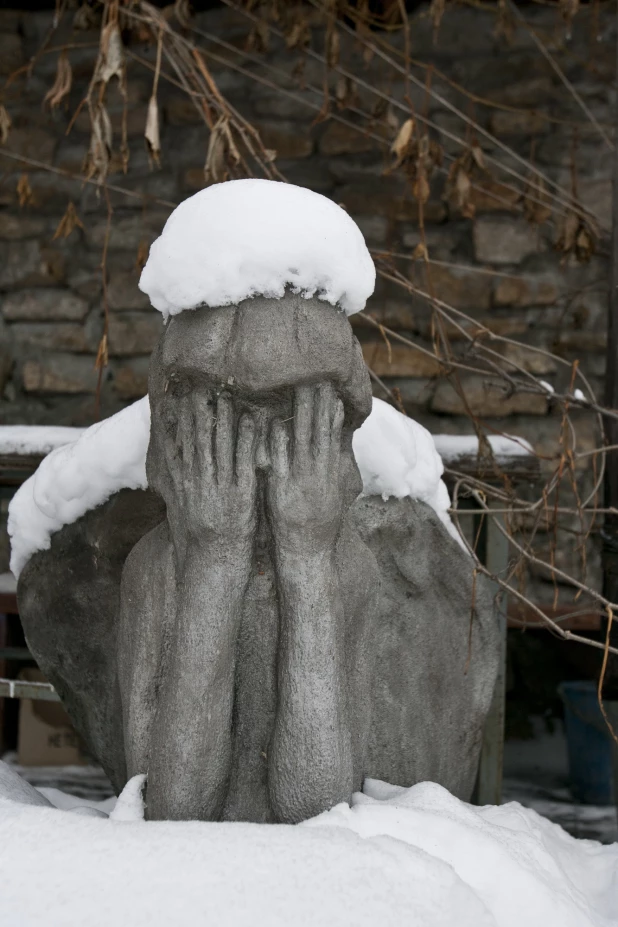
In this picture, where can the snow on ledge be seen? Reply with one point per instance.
(395, 455)
(246, 238)
(504, 447)
(35, 440)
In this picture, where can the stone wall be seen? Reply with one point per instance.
(51, 314)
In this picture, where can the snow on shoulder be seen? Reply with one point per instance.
(395, 455)
(247, 238)
(77, 477)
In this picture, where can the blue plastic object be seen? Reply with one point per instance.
(589, 744)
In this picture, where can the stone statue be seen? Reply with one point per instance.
(250, 632)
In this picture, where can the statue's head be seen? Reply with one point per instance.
(259, 352)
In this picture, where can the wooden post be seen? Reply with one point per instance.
(610, 528)
(489, 784)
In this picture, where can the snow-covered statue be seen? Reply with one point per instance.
(260, 629)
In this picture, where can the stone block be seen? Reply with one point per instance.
(11, 52)
(43, 305)
(388, 201)
(6, 366)
(54, 336)
(15, 227)
(134, 332)
(486, 399)
(26, 263)
(461, 289)
(87, 284)
(525, 291)
(340, 139)
(60, 373)
(530, 122)
(289, 141)
(581, 341)
(123, 293)
(491, 196)
(391, 313)
(131, 380)
(374, 228)
(498, 240)
(31, 143)
(128, 232)
(526, 358)
(398, 361)
(181, 111)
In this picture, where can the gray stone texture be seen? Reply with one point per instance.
(249, 632)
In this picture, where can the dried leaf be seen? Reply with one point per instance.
(86, 18)
(345, 92)
(478, 156)
(111, 55)
(333, 46)
(69, 222)
(98, 158)
(25, 196)
(536, 201)
(436, 12)
(151, 132)
(222, 153)
(62, 84)
(420, 253)
(402, 141)
(142, 254)
(5, 124)
(102, 358)
(299, 35)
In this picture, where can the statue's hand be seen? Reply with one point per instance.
(304, 495)
(212, 469)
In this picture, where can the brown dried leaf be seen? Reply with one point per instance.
(69, 222)
(86, 17)
(62, 84)
(25, 196)
(102, 358)
(333, 46)
(402, 142)
(478, 156)
(345, 92)
(5, 124)
(151, 132)
(222, 153)
(436, 12)
(421, 188)
(98, 158)
(420, 253)
(142, 254)
(111, 55)
(299, 35)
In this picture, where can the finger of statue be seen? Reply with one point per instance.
(204, 418)
(303, 421)
(279, 449)
(325, 403)
(336, 431)
(245, 452)
(185, 439)
(224, 439)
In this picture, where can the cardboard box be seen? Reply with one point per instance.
(46, 736)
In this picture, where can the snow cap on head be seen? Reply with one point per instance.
(245, 238)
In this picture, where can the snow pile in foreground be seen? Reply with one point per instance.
(246, 238)
(77, 477)
(37, 440)
(393, 857)
(396, 457)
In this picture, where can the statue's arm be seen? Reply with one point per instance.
(310, 762)
(212, 521)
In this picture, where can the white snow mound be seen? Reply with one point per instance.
(246, 238)
(393, 857)
(77, 477)
(396, 457)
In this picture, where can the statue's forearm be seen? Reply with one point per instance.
(191, 749)
(310, 758)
